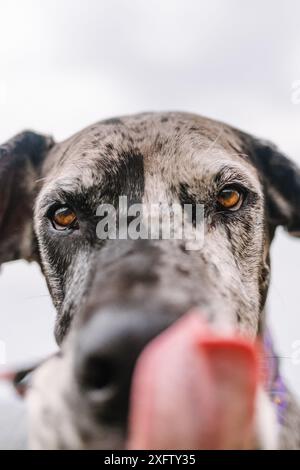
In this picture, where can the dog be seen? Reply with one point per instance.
(114, 296)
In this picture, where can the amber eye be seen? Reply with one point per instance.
(230, 198)
(64, 218)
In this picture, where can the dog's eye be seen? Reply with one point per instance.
(64, 218)
(230, 198)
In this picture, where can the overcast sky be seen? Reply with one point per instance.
(67, 63)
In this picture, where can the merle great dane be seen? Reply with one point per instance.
(113, 297)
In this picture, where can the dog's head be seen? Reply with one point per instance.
(114, 295)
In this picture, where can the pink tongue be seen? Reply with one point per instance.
(193, 389)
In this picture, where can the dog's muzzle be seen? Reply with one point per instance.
(106, 351)
(182, 388)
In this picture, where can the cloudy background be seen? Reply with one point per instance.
(67, 63)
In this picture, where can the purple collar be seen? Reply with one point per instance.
(275, 386)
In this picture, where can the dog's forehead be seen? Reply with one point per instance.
(172, 146)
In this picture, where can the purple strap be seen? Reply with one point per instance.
(275, 386)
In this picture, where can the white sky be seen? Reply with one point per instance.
(67, 63)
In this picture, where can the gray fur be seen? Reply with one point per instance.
(151, 158)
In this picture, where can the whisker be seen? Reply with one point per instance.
(39, 180)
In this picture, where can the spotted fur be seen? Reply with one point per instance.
(151, 158)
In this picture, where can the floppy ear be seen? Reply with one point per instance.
(281, 180)
(20, 163)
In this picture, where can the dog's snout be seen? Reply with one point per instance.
(107, 349)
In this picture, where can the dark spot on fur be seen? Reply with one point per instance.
(183, 249)
(184, 194)
(130, 140)
(109, 147)
(112, 121)
(158, 144)
(186, 198)
(133, 277)
(125, 177)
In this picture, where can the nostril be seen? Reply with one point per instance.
(97, 373)
(106, 349)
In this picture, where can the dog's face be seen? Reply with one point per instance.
(113, 296)
(153, 159)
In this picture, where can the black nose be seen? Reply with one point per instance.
(106, 352)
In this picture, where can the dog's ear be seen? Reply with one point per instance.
(21, 159)
(281, 180)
